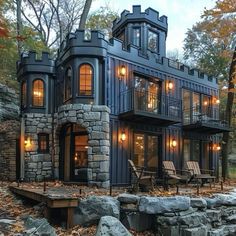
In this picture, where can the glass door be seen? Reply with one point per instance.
(146, 151)
(79, 158)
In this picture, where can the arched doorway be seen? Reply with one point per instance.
(73, 161)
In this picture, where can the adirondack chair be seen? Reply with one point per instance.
(144, 179)
(170, 173)
(198, 174)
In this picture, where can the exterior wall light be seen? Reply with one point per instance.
(122, 70)
(170, 85)
(123, 136)
(27, 142)
(173, 143)
(216, 147)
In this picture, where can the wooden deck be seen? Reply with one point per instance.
(52, 199)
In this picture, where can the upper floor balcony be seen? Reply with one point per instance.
(208, 120)
(143, 106)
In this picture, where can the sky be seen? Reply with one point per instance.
(182, 14)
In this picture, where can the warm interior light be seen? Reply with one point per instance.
(122, 70)
(174, 143)
(217, 101)
(37, 93)
(205, 103)
(170, 85)
(123, 136)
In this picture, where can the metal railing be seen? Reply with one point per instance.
(204, 115)
(144, 101)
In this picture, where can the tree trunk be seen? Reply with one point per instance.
(84, 15)
(19, 26)
(228, 113)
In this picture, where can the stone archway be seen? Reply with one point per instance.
(95, 119)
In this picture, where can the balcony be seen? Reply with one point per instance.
(144, 106)
(209, 121)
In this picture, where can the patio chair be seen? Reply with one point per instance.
(144, 179)
(198, 174)
(174, 175)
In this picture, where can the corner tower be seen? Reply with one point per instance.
(146, 30)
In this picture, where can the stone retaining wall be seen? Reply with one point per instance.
(9, 138)
(168, 216)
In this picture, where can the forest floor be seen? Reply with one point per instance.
(13, 210)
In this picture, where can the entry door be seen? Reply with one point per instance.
(79, 157)
(146, 151)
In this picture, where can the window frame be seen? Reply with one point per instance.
(92, 81)
(32, 93)
(40, 150)
(157, 42)
(69, 96)
(23, 94)
(135, 38)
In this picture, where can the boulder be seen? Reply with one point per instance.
(198, 203)
(226, 199)
(160, 205)
(128, 198)
(198, 231)
(137, 221)
(216, 232)
(91, 209)
(39, 227)
(193, 220)
(213, 215)
(111, 226)
(213, 202)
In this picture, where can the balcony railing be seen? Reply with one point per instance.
(206, 118)
(145, 103)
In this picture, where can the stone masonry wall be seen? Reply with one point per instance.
(37, 166)
(9, 135)
(95, 118)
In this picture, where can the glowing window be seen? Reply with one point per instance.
(38, 93)
(43, 143)
(85, 80)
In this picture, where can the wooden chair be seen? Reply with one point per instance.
(144, 179)
(198, 174)
(170, 173)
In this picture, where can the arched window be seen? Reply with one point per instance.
(23, 94)
(38, 93)
(68, 77)
(85, 80)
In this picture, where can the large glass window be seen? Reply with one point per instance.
(38, 93)
(152, 41)
(85, 80)
(196, 150)
(146, 151)
(23, 94)
(68, 81)
(136, 36)
(147, 94)
(196, 107)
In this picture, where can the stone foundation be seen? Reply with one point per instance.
(37, 166)
(94, 118)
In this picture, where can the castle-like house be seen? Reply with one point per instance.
(101, 103)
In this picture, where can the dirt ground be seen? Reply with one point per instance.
(14, 208)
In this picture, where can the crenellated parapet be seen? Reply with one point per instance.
(83, 43)
(177, 69)
(31, 63)
(150, 16)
